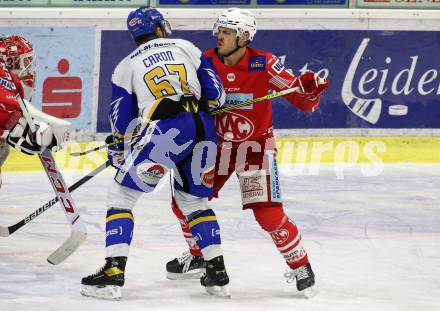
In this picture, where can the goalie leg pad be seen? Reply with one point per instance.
(284, 234)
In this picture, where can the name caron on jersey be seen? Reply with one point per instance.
(158, 57)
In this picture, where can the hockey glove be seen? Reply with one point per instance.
(312, 85)
(22, 139)
(115, 151)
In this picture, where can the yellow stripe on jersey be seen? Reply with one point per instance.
(201, 219)
(118, 216)
(153, 109)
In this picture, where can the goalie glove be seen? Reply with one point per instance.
(22, 139)
(311, 85)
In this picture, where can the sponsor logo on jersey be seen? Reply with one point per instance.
(231, 89)
(257, 63)
(280, 236)
(275, 188)
(298, 254)
(253, 187)
(278, 66)
(237, 98)
(215, 232)
(151, 46)
(231, 77)
(114, 231)
(7, 84)
(234, 127)
(151, 173)
(208, 178)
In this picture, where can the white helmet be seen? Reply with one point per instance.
(239, 20)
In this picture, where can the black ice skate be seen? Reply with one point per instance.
(215, 279)
(305, 279)
(106, 283)
(185, 267)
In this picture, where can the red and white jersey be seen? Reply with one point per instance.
(10, 110)
(257, 73)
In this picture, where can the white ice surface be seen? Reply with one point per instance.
(374, 243)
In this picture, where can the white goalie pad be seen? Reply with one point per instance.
(58, 126)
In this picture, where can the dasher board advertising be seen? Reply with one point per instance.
(378, 79)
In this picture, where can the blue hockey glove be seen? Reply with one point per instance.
(115, 151)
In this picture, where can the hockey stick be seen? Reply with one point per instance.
(76, 154)
(212, 113)
(256, 100)
(79, 231)
(6, 231)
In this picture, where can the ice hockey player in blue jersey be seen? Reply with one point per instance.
(161, 97)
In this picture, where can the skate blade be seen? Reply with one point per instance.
(184, 276)
(310, 292)
(219, 291)
(107, 292)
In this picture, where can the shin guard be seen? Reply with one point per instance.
(284, 234)
(119, 232)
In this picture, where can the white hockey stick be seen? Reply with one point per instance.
(79, 231)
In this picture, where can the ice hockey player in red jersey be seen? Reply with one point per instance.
(17, 76)
(246, 142)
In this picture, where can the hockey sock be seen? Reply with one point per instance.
(284, 234)
(204, 227)
(193, 248)
(119, 232)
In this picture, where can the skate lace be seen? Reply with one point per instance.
(299, 274)
(185, 259)
(98, 271)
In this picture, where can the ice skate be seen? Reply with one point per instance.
(215, 279)
(185, 267)
(305, 280)
(107, 282)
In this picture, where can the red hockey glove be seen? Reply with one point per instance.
(312, 85)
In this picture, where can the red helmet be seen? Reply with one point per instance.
(18, 55)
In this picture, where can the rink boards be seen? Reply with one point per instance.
(291, 151)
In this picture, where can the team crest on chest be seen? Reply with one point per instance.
(230, 77)
(234, 127)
